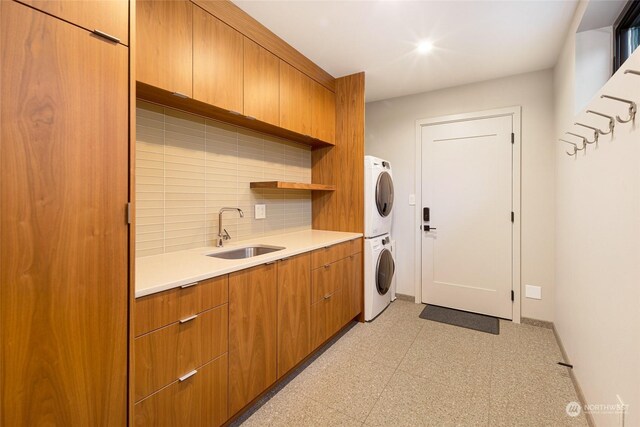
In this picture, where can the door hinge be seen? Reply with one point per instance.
(128, 213)
(513, 296)
(513, 138)
(513, 217)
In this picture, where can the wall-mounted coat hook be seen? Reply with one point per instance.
(612, 121)
(596, 132)
(575, 148)
(637, 73)
(632, 108)
(584, 140)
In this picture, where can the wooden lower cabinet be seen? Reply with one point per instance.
(175, 350)
(199, 400)
(252, 333)
(327, 316)
(294, 311)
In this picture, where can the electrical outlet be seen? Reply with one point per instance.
(533, 292)
(261, 211)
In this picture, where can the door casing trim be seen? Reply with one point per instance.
(516, 113)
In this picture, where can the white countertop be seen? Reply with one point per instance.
(158, 273)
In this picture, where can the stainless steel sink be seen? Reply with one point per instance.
(247, 252)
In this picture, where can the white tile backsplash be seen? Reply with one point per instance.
(188, 167)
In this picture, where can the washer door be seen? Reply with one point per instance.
(384, 194)
(384, 271)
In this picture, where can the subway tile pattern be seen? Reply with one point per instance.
(188, 167)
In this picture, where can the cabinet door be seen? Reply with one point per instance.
(294, 311)
(326, 318)
(252, 333)
(164, 44)
(353, 287)
(63, 235)
(199, 400)
(108, 16)
(261, 83)
(217, 62)
(295, 100)
(323, 120)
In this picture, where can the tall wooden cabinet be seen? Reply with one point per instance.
(63, 233)
(252, 333)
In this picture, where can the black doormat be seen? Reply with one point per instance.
(478, 322)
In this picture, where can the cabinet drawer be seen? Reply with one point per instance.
(158, 310)
(199, 400)
(165, 354)
(326, 280)
(334, 253)
(326, 318)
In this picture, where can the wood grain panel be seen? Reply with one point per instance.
(200, 400)
(217, 62)
(342, 165)
(295, 100)
(352, 286)
(292, 186)
(158, 310)
(232, 15)
(261, 83)
(327, 280)
(132, 201)
(252, 333)
(163, 97)
(170, 352)
(323, 114)
(109, 16)
(333, 253)
(326, 319)
(164, 36)
(63, 235)
(294, 311)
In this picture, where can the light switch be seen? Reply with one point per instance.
(261, 211)
(412, 199)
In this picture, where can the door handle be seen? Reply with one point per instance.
(428, 228)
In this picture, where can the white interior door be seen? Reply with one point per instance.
(467, 175)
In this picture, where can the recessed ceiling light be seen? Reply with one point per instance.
(424, 46)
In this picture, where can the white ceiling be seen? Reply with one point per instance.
(473, 40)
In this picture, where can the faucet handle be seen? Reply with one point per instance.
(226, 236)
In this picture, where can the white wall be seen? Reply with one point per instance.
(390, 134)
(594, 50)
(597, 312)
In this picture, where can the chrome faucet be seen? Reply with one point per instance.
(222, 233)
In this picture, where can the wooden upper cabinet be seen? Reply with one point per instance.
(64, 166)
(323, 110)
(294, 311)
(252, 333)
(217, 62)
(261, 83)
(164, 44)
(108, 16)
(296, 92)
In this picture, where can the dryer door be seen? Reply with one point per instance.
(384, 271)
(384, 194)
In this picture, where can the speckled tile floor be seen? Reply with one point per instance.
(400, 370)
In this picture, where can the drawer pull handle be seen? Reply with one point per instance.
(269, 263)
(187, 376)
(104, 35)
(285, 259)
(188, 319)
(327, 265)
(327, 296)
(188, 285)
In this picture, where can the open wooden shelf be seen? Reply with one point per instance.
(292, 186)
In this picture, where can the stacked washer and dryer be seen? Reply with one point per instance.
(379, 254)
